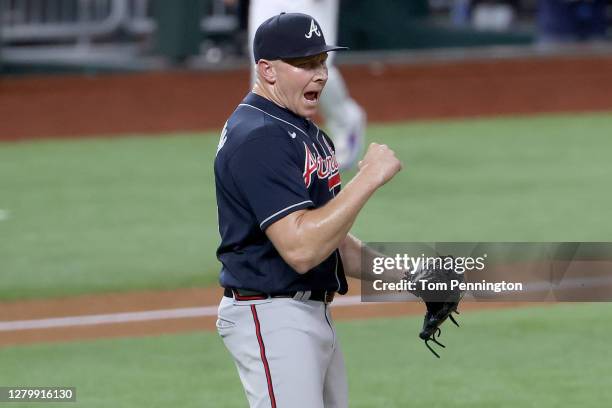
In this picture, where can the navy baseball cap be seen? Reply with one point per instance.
(290, 35)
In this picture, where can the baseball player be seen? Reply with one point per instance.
(284, 224)
(344, 118)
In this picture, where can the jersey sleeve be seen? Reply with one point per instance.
(267, 172)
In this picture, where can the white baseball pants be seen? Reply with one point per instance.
(286, 352)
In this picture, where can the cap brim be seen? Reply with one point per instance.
(314, 51)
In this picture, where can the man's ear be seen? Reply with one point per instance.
(266, 71)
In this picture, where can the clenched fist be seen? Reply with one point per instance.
(379, 164)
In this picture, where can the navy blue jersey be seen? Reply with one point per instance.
(271, 162)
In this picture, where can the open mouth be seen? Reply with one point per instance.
(311, 96)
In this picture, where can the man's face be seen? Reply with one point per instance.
(299, 83)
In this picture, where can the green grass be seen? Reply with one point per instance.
(516, 179)
(100, 215)
(138, 213)
(550, 356)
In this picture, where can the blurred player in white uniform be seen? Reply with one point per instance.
(344, 118)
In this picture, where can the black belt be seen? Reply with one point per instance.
(317, 295)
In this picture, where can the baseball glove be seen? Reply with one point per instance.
(441, 301)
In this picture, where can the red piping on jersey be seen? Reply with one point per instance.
(264, 359)
(333, 181)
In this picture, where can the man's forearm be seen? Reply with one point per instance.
(356, 255)
(351, 252)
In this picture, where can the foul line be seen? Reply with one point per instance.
(112, 318)
(209, 311)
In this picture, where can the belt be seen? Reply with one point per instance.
(317, 295)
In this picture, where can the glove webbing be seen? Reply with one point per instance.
(427, 337)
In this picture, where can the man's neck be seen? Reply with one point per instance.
(268, 94)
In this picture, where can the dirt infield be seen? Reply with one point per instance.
(71, 310)
(48, 107)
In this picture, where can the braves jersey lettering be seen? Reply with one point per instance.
(324, 168)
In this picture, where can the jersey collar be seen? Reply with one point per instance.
(273, 109)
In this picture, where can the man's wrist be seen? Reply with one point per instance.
(367, 180)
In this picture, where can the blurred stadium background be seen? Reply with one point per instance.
(110, 112)
(96, 35)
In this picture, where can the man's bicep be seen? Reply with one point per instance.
(284, 234)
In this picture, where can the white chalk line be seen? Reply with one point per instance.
(144, 316)
(209, 311)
